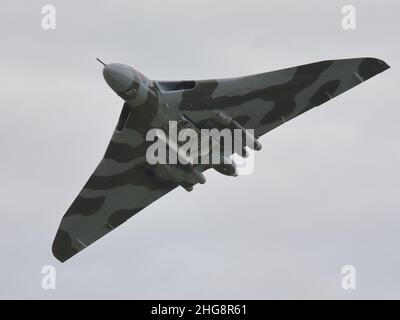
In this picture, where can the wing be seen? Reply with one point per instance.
(263, 102)
(120, 187)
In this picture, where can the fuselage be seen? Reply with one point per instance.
(151, 107)
(141, 94)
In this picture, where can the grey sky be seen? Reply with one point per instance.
(325, 188)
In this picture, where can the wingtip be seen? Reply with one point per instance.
(383, 63)
(370, 67)
(62, 246)
(386, 65)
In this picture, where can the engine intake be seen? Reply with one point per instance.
(248, 139)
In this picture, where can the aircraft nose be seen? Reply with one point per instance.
(118, 76)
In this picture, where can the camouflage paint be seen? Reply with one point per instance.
(124, 183)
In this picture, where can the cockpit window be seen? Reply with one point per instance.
(176, 85)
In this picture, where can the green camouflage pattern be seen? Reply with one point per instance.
(124, 183)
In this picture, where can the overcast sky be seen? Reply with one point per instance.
(325, 191)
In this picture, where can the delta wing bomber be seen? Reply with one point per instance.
(126, 181)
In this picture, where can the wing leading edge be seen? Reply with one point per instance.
(264, 101)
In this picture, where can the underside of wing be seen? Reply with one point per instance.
(264, 101)
(120, 187)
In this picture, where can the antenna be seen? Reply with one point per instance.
(101, 62)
